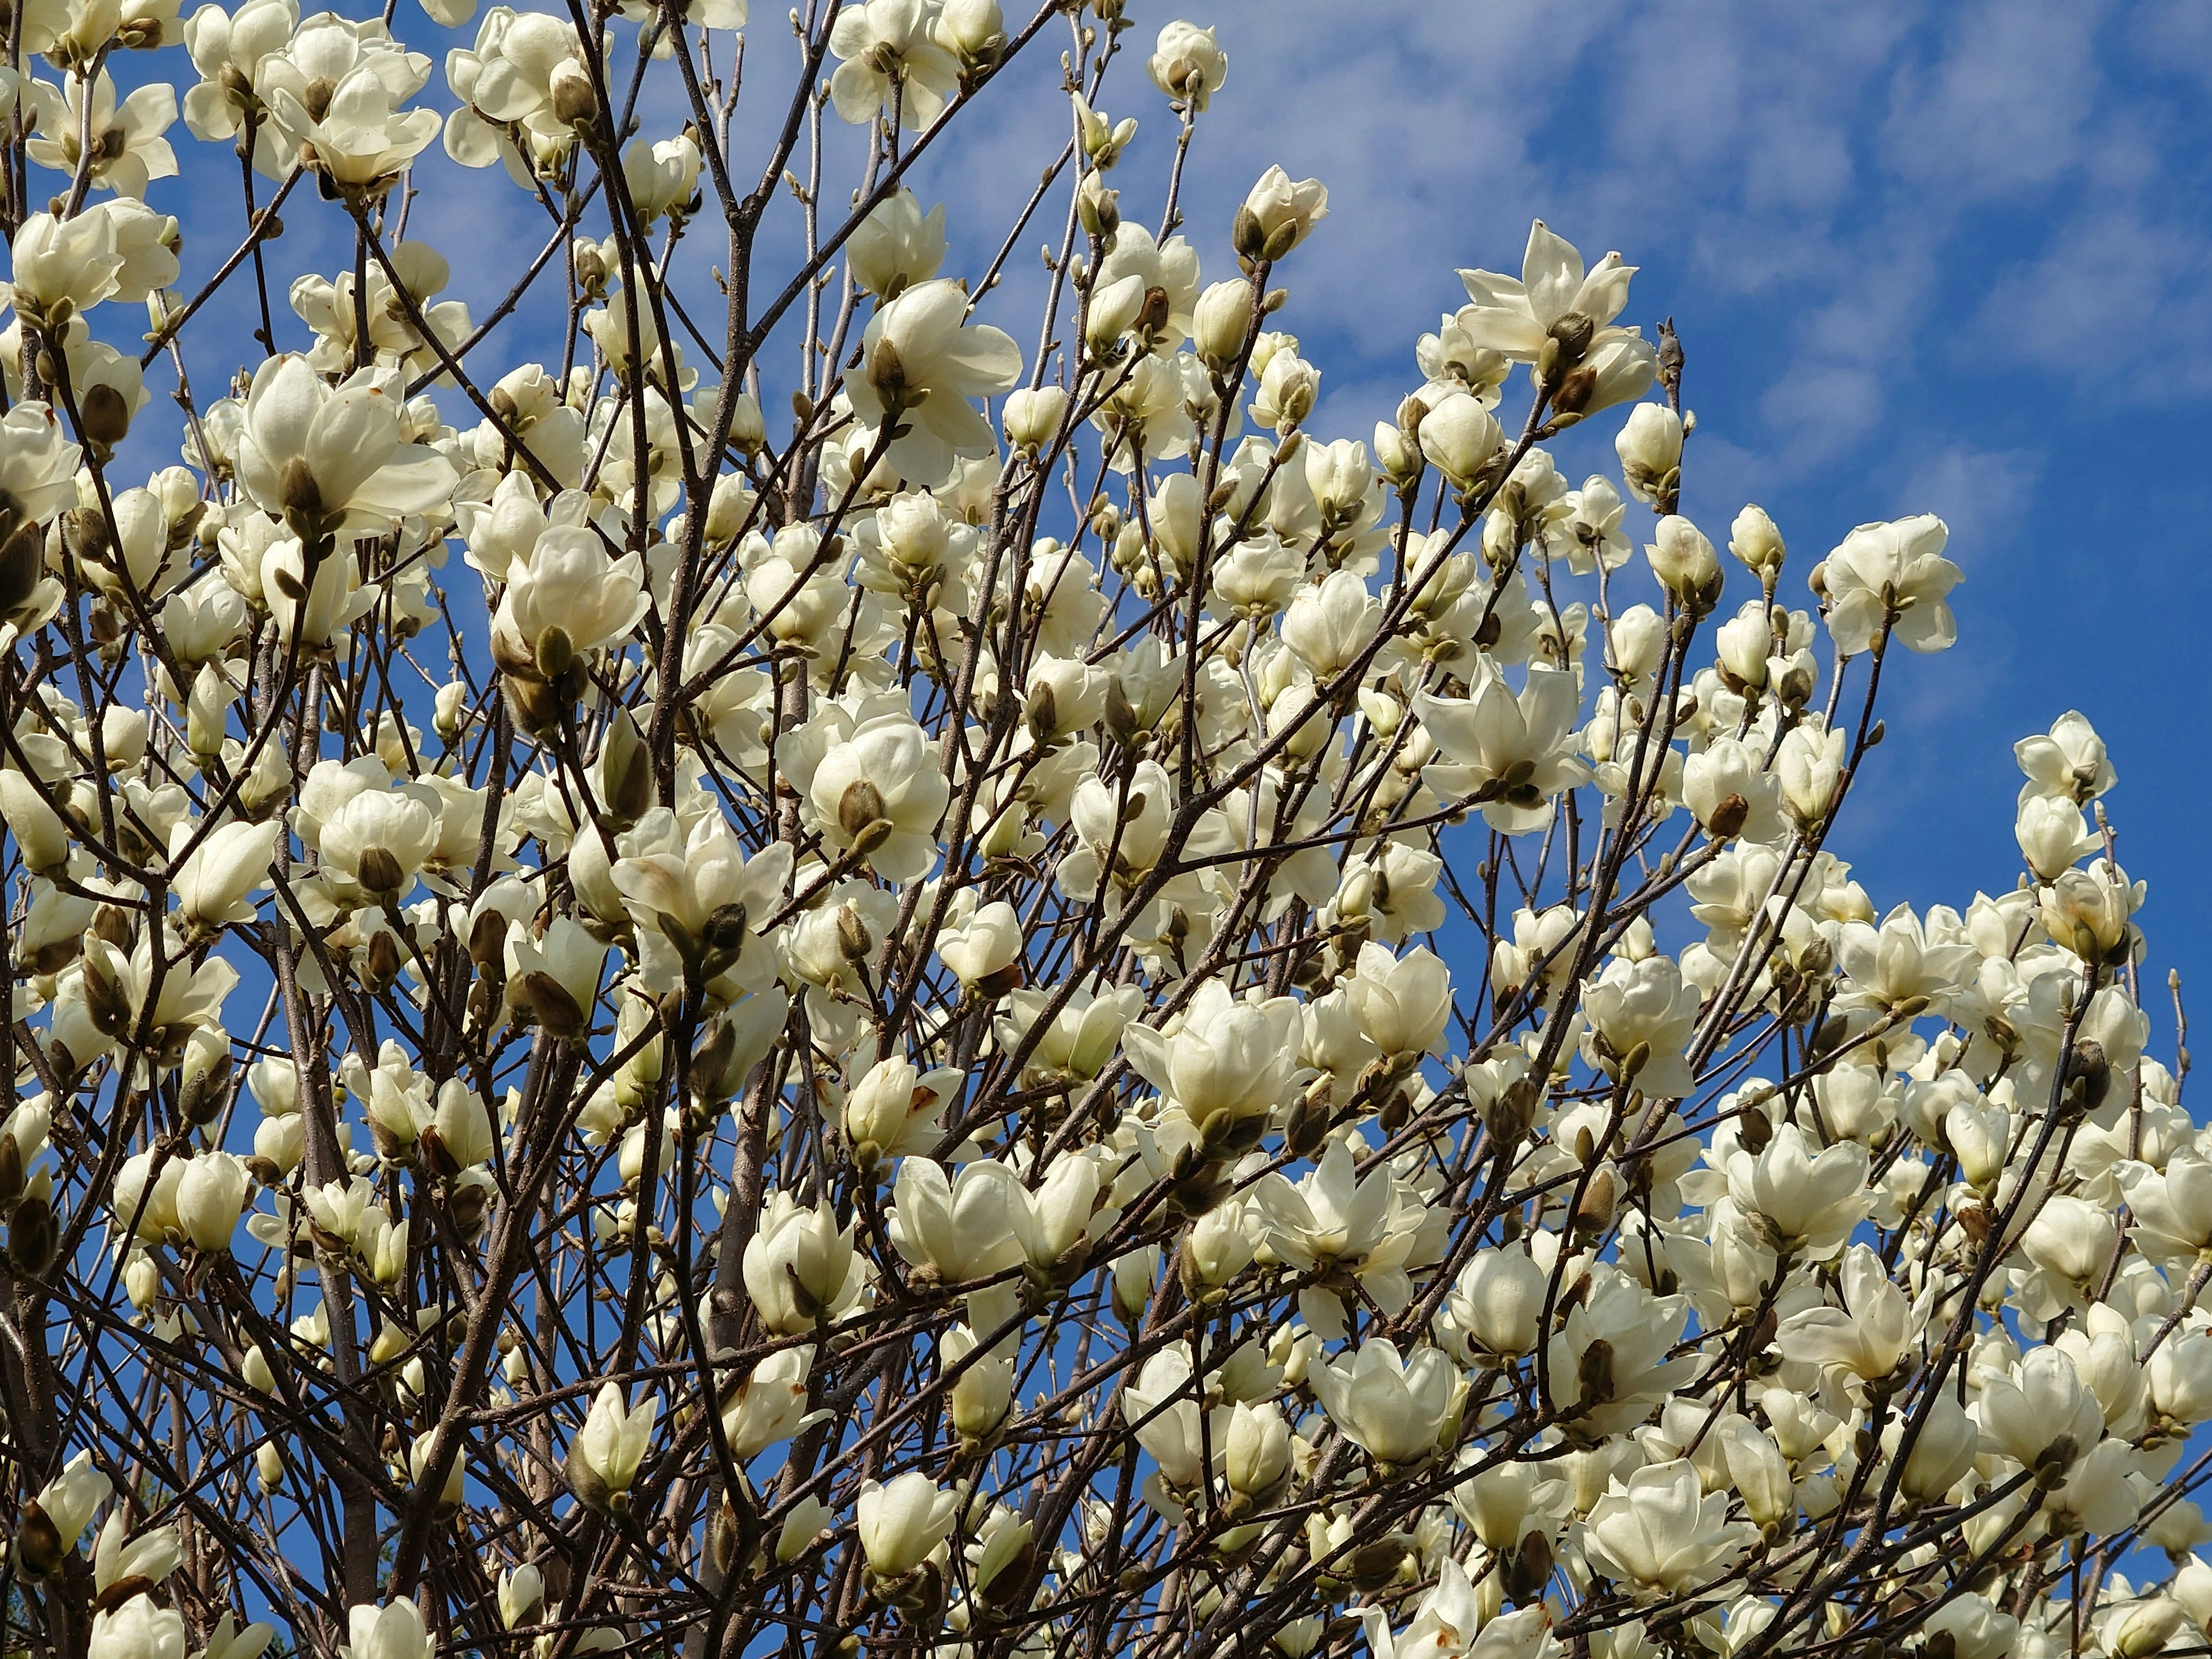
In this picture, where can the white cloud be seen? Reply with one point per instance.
(1982, 495)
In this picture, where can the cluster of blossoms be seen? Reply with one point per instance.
(1039, 1013)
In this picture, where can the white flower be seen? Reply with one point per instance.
(699, 909)
(2069, 762)
(1798, 1200)
(2039, 1412)
(890, 60)
(1187, 64)
(332, 96)
(1405, 1003)
(770, 1405)
(1328, 625)
(1559, 317)
(1868, 1336)
(1660, 1532)
(984, 945)
(330, 458)
(662, 178)
(1684, 562)
(1650, 447)
(962, 1228)
(1896, 962)
(603, 1457)
(66, 1506)
(920, 366)
(228, 50)
(894, 1108)
(1278, 215)
(1393, 1409)
(526, 72)
(111, 251)
(1165, 1417)
(799, 1269)
(1890, 580)
(1511, 755)
(896, 245)
(128, 150)
(137, 1630)
(554, 980)
(395, 1630)
(210, 1194)
(879, 792)
(1644, 1005)
(900, 1524)
(1754, 540)
(1229, 1063)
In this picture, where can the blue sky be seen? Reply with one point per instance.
(1924, 256)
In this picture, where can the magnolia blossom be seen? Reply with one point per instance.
(603, 1457)
(1507, 753)
(1143, 1014)
(1558, 316)
(323, 458)
(1659, 1531)
(1228, 1062)
(891, 61)
(1393, 1409)
(1891, 579)
(901, 1522)
(919, 367)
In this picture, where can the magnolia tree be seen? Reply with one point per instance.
(979, 998)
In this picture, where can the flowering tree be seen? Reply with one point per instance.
(1033, 1011)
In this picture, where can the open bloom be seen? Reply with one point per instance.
(1661, 1532)
(571, 597)
(1797, 1200)
(1511, 754)
(328, 458)
(138, 1629)
(1889, 580)
(1403, 1003)
(117, 250)
(881, 792)
(901, 1522)
(1558, 316)
(770, 1405)
(890, 60)
(128, 150)
(525, 78)
(2039, 1412)
(960, 1227)
(1646, 1004)
(1229, 1062)
(799, 1268)
(1870, 1336)
(1393, 1409)
(698, 910)
(333, 98)
(920, 366)
(896, 245)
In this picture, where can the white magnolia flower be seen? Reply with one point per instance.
(1660, 1531)
(603, 1457)
(127, 148)
(1889, 580)
(890, 62)
(919, 369)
